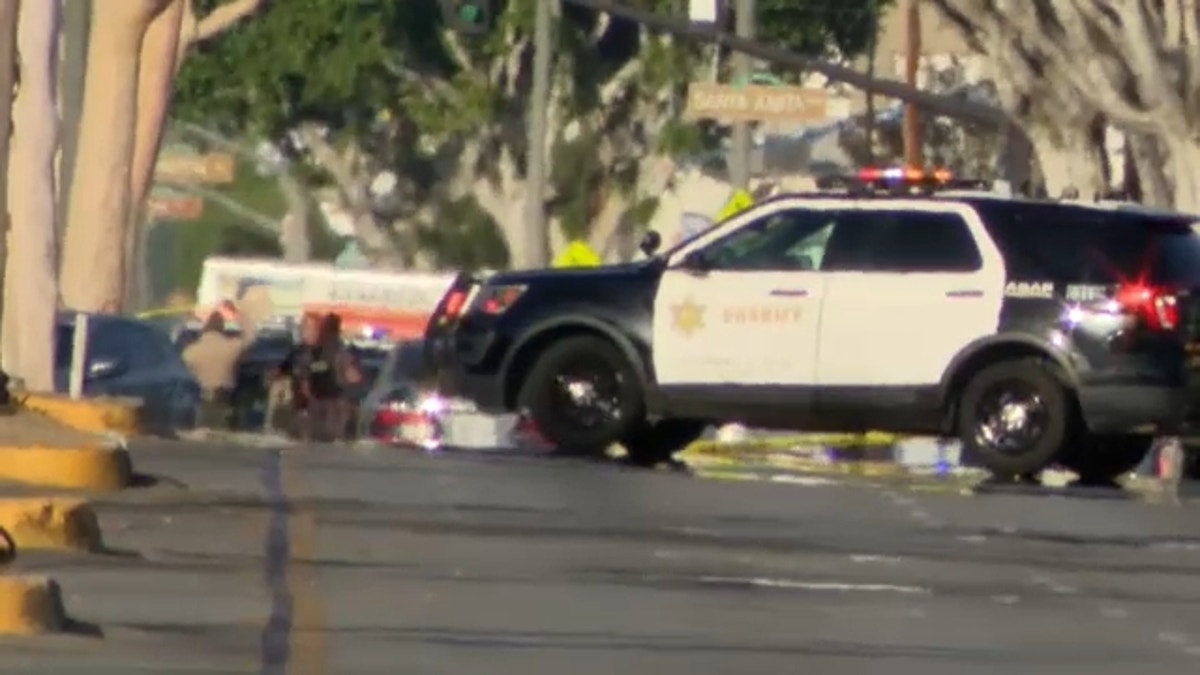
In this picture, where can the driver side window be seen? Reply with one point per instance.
(784, 241)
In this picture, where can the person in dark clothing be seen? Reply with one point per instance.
(333, 372)
(318, 369)
(290, 393)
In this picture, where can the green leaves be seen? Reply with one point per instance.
(310, 60)
(820, 27)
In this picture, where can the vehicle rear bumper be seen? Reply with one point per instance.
(486, 391)
(1141, 408)
(453, 378)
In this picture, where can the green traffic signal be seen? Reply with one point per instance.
(468, 16)
(469, 13)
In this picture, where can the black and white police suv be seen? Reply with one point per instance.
(1037, 332)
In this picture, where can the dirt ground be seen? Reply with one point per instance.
(22, 427)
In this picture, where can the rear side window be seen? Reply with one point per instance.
(902, 241)
(1081, 245)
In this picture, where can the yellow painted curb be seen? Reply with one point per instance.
(30, 606)
(93, 415)
(867, 440)
(812, 467)
(40, 523)
(96, 469)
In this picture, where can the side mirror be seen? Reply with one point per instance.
(105, 367)
(650, 242)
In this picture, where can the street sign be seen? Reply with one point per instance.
(756, 103)
(175, 207)
(210, 169)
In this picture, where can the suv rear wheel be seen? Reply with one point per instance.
(1015, 417)
(582, 395)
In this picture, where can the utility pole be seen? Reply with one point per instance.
(743, 66)
(913, 154)
(536, 239)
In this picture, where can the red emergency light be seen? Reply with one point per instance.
(903, 174)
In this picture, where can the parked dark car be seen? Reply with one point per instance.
(130, 358)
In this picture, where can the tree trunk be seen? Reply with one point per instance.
(293, 231)
(1068, 158)
(1146, 177)
(1184, 153)
(156, 83)
(32, 193)
(94, 255)
(75, 30)
(8, 76)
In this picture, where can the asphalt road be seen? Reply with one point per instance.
(341, 561)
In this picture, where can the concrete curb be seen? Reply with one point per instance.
(93, 415)
(51, 523)
(95, 469)
(30, 605)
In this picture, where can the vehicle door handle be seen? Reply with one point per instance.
(965, 293)
(790, 293)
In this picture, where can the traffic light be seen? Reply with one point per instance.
(472, 17)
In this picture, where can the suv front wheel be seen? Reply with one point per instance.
(582, 395)
(1015, 417)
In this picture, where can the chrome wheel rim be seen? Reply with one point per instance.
(1010, 418)
(586, 395)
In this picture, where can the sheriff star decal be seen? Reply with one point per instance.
(687, 317)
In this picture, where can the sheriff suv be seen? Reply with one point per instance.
(1037, 332)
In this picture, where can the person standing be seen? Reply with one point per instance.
(319, 369)
(213, 360)
(334, 372)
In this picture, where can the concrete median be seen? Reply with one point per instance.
(30, 605)
(92, 415)
(51, 523)
(89, 468)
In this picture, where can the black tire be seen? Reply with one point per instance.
(1031, 377)
(652, 444)
(1100, 460)
(541, 390)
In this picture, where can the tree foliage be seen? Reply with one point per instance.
(359, 87)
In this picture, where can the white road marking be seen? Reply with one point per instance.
(803, 481)
(1114, 613)
(794, 584)
(972, 538)
(1172, 638)
(1006, 599)
(868, 558)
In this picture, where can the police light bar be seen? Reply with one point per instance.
(901, 174)
(899, 180)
